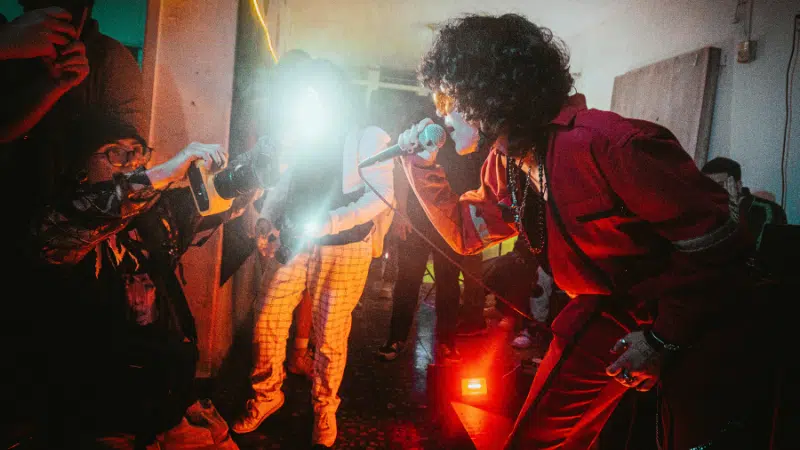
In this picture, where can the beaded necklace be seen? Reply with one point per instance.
(513, 172)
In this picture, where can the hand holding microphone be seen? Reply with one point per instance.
(424, 139)
(416, 138)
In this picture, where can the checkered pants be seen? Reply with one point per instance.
(334, 277)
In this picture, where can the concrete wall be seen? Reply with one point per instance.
(749, 114)
(607, 38)
(396, 34)
(191, 45)
(124, 20)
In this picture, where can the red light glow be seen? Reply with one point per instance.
(473, 386)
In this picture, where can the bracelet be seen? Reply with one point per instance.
(659, 344)
(139, 176)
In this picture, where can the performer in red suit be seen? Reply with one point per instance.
(645, 245)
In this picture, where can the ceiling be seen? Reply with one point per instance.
(395, 33)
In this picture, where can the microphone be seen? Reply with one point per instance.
(432, 135)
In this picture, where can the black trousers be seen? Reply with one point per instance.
(413, 256)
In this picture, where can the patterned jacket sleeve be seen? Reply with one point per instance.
(69, 228)
(469, 223)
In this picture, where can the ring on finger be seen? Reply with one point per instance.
(627, 377)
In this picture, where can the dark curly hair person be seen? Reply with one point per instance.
(504, 73)
(653, 260)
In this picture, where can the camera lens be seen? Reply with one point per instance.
(248, 172)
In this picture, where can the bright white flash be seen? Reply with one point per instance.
(310, 116)
(310, 228)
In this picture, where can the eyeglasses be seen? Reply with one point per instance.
(444, 103)
(127, 156)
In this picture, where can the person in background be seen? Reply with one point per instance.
(43, 35)
(114, 82)
(37, 39)
(413, 253)
(756, 212)
(332, 226)
(90, 70)
(394, 238)
(300, 358)
(646, 246)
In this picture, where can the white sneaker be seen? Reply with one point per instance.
(324, 429)
(523, 340)
(255, 413)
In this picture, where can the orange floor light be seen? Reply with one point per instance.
(473, 386)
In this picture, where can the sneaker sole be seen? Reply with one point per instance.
(261, 420)
(390, 356)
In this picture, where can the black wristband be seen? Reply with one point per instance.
(659, 344)
(139, 176)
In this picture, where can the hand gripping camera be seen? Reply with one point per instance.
(214, 192)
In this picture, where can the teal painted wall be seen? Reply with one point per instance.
(124, 20)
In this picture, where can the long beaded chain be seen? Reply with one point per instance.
(518, 208)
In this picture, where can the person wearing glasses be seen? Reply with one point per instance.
(122, 339)
(111, 184)
(614, 208)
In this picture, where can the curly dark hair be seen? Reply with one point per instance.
(504, 73)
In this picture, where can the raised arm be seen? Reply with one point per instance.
(70, 226)
(469, 223)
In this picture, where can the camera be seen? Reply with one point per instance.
(213, 192)
(292, 239)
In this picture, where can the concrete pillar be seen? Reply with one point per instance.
(188, 65)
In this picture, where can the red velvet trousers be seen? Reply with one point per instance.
(723, 379)
(571, 397)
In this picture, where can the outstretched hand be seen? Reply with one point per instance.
(214, 156)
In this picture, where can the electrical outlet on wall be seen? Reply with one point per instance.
(745, 51)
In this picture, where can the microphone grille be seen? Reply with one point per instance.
(434, 134)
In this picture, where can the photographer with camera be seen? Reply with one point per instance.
(331, 226)
(121, 337)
